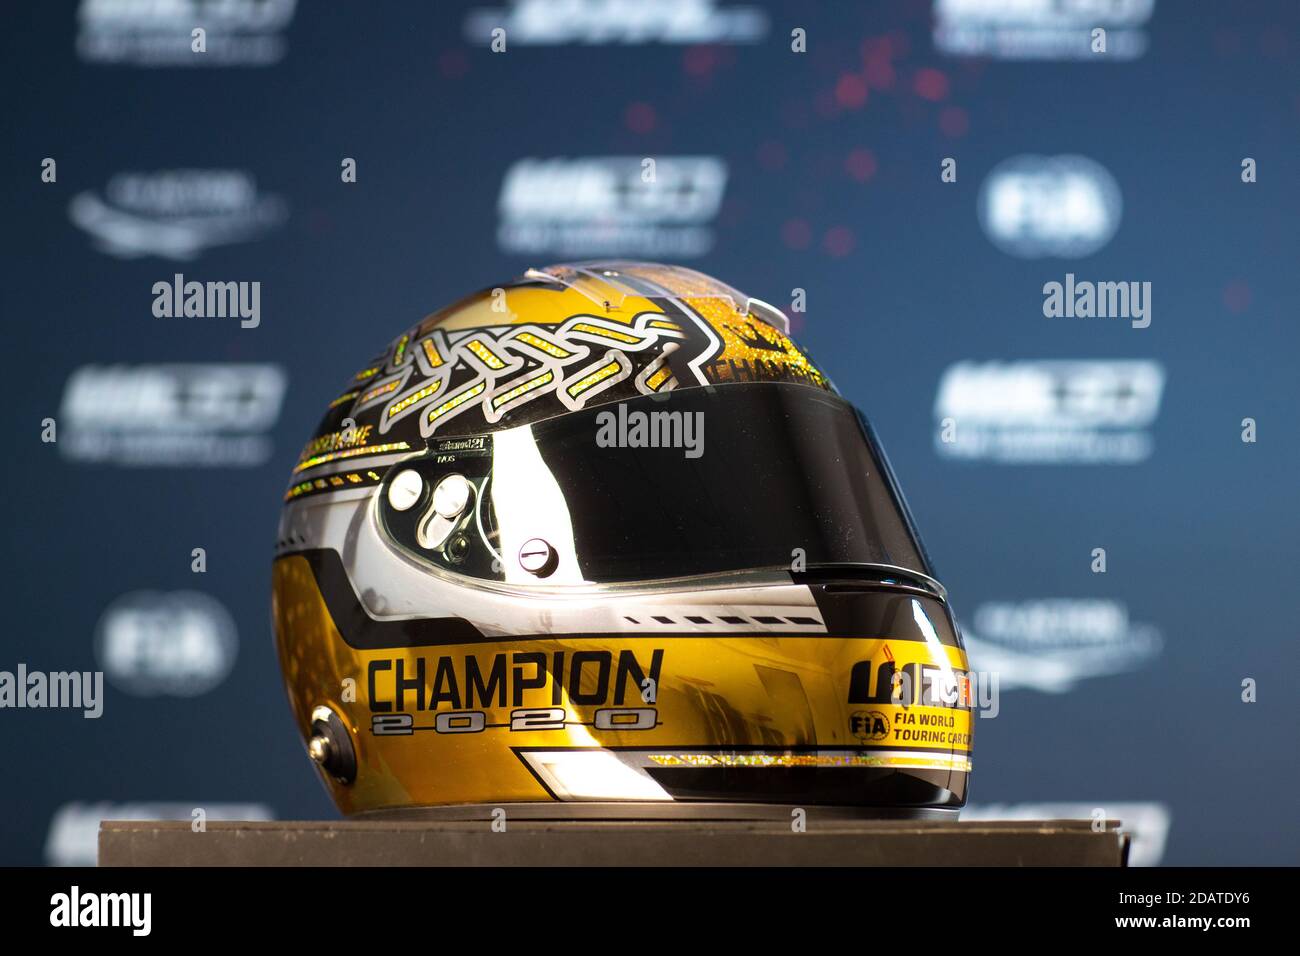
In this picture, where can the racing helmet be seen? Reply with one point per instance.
(606, 539)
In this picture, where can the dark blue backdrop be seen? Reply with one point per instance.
(833, 186)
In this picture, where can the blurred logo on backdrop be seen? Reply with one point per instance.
(1041, 29)
(1050, 645)
(176, 213)
(1048, 412)
(555, 22)
(611, 205)
(73, 838)
(1146, 823)
(178, 643)
(215, 415)
(1037, 206)
(157, 33)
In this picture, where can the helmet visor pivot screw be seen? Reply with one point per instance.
(405, 490)
(319, 749)
(451, 496)
(538, 557)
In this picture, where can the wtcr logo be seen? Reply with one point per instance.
(611, 205)
(1048, 412)
(625, 22)
(180, 415)
(158, 33)
(1041, 29)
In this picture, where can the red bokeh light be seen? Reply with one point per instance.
(839, 241)
(453, 64)
(851, 91)
(772, 155)
(700, 61)
(879, 73)
(1236, 296)
(861, 164)
(796, 233)
(954, 121)
(930, 84)
(640, 118)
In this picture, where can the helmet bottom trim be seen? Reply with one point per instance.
(591, 811)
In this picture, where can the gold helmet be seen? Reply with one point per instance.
(605, 539)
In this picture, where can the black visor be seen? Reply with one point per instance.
(698, 481)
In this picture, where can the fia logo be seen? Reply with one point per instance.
(869, 725)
